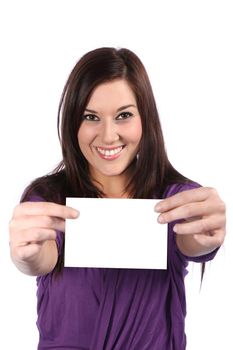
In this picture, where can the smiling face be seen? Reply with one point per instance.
(111, 130)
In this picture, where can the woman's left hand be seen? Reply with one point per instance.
(203, 219)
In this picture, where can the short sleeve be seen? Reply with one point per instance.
(174, 251)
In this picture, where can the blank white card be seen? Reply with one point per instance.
(115, 233)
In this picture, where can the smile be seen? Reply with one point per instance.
(107, 153)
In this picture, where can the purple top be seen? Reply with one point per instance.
(120, 309)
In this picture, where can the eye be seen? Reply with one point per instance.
(124, 115)
(90, 117)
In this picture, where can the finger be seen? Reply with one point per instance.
(35, 235)
(211, 241)
(204, 225)
(185, 197)
(187, 211)
(30, 222)
(46, 209)
(26, 252)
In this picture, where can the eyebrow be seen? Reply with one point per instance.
(118, 110)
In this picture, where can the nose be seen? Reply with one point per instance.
(109, 132)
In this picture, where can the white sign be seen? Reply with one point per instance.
(115, 233)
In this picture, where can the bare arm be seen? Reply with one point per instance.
(203, 225)
(33, 233)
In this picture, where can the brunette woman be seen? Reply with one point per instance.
(112, 146)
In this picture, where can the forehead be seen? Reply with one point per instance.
(115, 93)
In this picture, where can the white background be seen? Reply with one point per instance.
(186, 47)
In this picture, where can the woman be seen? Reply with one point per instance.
(112, 146)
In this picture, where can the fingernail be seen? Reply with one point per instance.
(161, 219)
(75, 213)
(158, 207)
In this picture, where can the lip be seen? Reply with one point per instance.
(109, 153)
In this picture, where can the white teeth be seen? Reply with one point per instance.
(111, 152)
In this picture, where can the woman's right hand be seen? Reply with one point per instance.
(32, 232)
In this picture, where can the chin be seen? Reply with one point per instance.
(112, 174)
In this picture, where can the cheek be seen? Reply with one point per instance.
(135, 132)
(85, 135)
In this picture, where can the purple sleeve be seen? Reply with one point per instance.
(59, 234)
(173, 249)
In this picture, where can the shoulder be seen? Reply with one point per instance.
(179, 187)
(50, 188)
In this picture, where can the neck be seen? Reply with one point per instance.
(112, 186)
